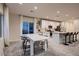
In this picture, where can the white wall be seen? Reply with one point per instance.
(68, 25)
(14, 24)
(71, 25)
(76, 26)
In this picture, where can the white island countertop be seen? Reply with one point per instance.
(36, 37)
(56, 32)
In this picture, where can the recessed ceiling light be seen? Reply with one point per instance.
(66, 15)
(35, 7)
(58, 11)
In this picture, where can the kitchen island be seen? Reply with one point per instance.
(58, 37)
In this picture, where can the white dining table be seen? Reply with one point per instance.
(36, 37)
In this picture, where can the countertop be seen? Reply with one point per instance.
(59, 32)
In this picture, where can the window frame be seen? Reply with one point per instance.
(21, 25)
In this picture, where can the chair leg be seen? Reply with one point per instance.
(24, 52)
(23, 44)
(24, 47)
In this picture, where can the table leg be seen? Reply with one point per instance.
(31, 48)
(45, 45)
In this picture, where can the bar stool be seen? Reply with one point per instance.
(73, 37)
(76, 36)
(66, 35)
(70, 37)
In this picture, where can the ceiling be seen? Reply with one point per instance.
(53, 11)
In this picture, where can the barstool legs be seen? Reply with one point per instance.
(75, 37)
(69, 39)
(66, 41)
(72, 37)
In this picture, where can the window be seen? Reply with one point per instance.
(28, 27)
(31, 27)
(25, 28)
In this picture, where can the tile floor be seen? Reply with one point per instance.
(54, 49)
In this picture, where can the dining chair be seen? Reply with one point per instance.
(25, 45)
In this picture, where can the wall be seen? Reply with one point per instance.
(68, 25)
(14, 27)
(76, 26)
(71, 26)
(46, 23)
(15, 24)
